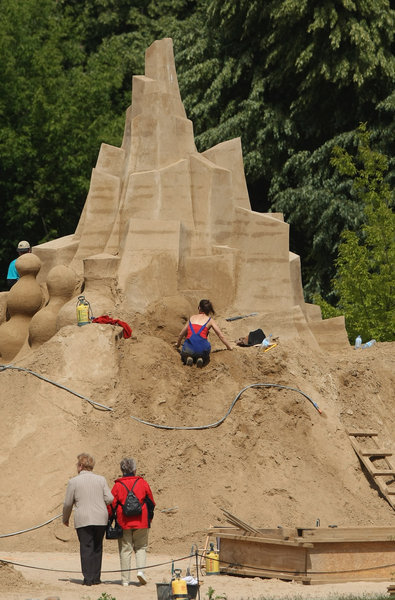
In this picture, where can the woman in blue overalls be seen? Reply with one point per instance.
(196, 347)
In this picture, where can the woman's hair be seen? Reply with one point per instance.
(86, 461)
(206, 307)
(128, 465)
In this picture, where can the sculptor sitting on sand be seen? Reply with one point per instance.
(196, 347)
(90, 494)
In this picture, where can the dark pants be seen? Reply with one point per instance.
(204, 355)
(91, 550)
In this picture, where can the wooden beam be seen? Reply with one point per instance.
(362, 433)
(376, 452)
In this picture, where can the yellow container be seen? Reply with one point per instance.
(179, 589)
(212, 561)
(83, 307)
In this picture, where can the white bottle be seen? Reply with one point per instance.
(267, 341)
(358, 342)
(368, 344)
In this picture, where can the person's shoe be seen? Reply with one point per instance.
(189, 361)
(86, 582)
(125, 583)
(141, 577)
(199, 362)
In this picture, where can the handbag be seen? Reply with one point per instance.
(113, 530)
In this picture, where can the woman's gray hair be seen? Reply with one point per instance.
(128, 465)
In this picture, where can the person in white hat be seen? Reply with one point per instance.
(13, 275)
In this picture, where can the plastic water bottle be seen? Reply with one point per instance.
(267, 341)
(358, 342)
(368, 344)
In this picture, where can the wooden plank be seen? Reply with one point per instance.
(375, 452)
(382, 472)
(350, 561)
(350, 534)
(312, 534)
(362, 433)
(252, 554)
(298, 542)
(281, 533)
(233, 570)
(238, 522)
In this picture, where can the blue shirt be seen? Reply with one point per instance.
(12, 272)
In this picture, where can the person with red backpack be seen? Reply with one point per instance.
(134, 505)
(197, 348)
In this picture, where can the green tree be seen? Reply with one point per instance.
(292, 78)
(318, 204)
(65, 84)
(364, 281)
(285, 75)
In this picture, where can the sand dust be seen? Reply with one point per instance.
(273, 461)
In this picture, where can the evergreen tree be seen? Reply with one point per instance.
(292, 78)
(285, 75)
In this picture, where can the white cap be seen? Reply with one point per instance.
(23, 245)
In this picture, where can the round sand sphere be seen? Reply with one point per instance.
(28, 264)
(61, 281)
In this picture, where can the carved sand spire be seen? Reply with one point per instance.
(172, 221)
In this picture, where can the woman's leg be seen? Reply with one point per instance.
(85, 536)
(125, 547)
(97, 552)
(140, 543)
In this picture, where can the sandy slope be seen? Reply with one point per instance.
(273, 461)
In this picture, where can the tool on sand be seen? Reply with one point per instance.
(241, 317)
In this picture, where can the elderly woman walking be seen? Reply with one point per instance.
(90, 494)
(135, 528)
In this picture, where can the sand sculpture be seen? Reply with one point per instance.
(162, 220)
(23, 300)
(61, 285)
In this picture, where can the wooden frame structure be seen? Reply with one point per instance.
(308, 555)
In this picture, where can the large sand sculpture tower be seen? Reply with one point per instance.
(163, 220)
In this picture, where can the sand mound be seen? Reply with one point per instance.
(273, 461)
(9, 577)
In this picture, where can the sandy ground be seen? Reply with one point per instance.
(21, 583)
(274, 460)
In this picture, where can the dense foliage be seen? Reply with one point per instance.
(292, 78)
(365, 280)
(65, 83)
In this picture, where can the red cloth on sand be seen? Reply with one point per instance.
(127, 330)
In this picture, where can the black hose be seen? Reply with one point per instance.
(212, 425)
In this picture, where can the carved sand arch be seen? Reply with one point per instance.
(163, 220)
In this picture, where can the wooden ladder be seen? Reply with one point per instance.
(376, 461)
